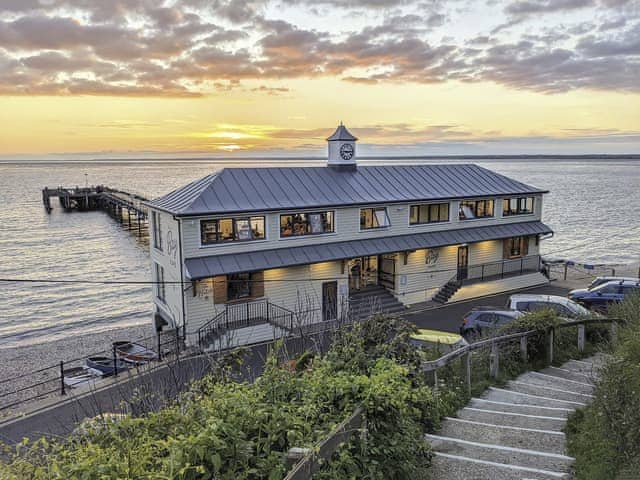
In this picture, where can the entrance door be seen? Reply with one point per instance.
(329, 301)
(387, 271)
(463, 262)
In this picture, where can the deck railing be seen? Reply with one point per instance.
(246, 314)
(502, 268)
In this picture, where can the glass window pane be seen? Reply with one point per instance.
(381, 217)
(243, 230)
(328, 218)
(225, 230)
(424, 213)
(480, 209)
(365, 218)
(489, 208)
(433, 213)
(208, 231)
(444, 212)
(300, 224)
(413, 214)
(316, 223)
(286, 225)
(467, 210)
(530, 204)
(257, 228)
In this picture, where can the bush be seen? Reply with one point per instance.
(605, 436)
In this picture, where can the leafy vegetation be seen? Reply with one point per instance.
(604, 437)
(226, 430)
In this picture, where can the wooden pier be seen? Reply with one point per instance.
(125, 207)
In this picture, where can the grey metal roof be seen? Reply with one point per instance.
(235, 190)
(204, 267)
(342, 134)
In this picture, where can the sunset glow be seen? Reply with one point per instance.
(129, 78)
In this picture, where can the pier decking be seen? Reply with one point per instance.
(125, 207)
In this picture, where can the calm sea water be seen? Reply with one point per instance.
(592, 208)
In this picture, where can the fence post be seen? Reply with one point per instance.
(524, 356)
(581, 338)
(550, 343)
(494, 361)
(177, 341)
(466, 365)
(565, 270)
(115, 361)
(614, 333)
(62, 386)
(160, 345)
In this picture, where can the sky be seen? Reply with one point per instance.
(208, 78)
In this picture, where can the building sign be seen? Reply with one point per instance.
(431, 257)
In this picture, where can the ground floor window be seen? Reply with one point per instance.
(516, 247)
(161, 288)
(238, 286)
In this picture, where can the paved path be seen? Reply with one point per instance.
(449, 317)
(516, 432)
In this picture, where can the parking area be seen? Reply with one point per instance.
(448, 317)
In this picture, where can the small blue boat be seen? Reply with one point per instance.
(105, 366)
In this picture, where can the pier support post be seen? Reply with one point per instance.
(581, 337)
(62, 386)
(550, 344)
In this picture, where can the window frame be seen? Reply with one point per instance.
(485, 202)
(374, 218)
(523, 247)
(161, 287)
(248, 218)
(247, 283)
(157, 230)
(308, 233)
(507, 211)
(429, 205)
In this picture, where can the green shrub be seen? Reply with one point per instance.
(605, 436)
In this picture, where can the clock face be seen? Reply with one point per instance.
(347, 151)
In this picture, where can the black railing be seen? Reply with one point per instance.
(247, 314)
(503, 268)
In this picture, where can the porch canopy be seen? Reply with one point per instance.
(215, 265)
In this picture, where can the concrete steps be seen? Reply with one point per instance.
(515, 432)
(373, 300)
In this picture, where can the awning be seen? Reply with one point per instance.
(204, 267)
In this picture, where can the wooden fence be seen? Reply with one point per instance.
(309, 461)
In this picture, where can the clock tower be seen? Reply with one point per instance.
(342, 149)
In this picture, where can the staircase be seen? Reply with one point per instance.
(371, 300)
(447, 291)
(516, 432)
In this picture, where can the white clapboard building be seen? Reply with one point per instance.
(249, 248)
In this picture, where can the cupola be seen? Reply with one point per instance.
(342, 149)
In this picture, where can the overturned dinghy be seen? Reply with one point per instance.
(74, 377)
(105, 366)
(134, 352)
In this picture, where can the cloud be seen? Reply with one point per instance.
(192, 47)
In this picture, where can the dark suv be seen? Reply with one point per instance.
(600, 297)
(482, 319)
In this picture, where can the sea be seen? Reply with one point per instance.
(593, 208)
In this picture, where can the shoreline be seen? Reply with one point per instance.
(18, 363)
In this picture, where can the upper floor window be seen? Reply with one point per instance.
(429, 213)
(470, 209)
(306, 224)
(225, 230)
(161, 288)
(374, 218)
(157, 230)
(517, 206)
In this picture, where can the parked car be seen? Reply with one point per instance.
(601, 280)
(600, 297)
(444, 341)
(531, 303)
(482, 319)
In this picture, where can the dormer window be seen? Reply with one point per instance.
(374, 218)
